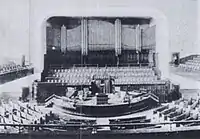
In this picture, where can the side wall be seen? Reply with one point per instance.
(14, 29)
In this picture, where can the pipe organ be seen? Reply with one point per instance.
(93, 39)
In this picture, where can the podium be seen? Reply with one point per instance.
(102, 99)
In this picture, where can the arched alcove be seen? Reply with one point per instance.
(38, 31)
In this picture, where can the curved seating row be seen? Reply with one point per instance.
(122, 75)
(191, 65)
(120, 81)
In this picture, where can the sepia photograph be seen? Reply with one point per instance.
(96, 69)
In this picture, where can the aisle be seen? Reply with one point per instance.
(185, 83)
(187, 80)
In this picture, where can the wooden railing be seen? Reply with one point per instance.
(26, 128)
(142, 65)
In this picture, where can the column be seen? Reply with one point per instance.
(63, 39)
(84, 37)
(118, 38)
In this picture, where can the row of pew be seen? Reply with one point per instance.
(180, 110)
(19, 113)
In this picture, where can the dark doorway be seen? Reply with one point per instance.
(176, 58)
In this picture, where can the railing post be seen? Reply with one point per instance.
(19, 129)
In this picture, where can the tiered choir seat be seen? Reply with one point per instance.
(191, 65)
(122, 75)
(10, 71)
(9, 67)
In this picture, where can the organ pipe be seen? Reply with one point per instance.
(84, 37)
(63, 38)
(138, 38)
(118, 37)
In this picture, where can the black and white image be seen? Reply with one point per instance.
(96, 69)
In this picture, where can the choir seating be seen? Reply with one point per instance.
(121, 75)
(10, 71)
(10, 67)
(134, 78)
(191, 64)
